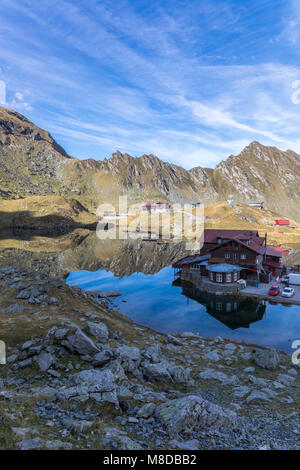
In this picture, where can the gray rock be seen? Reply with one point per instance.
(286, 379)
(157, 372)
(266, 358)
(60, 333)
(146, 410)
(179, 374)
(78, 426)
(128, 353)
(80, 343)
(117, 370)
(123, 442)
(23, 364)
(153, 353)
(14, 309)
(190, 413)
(98, 330)
(45, 360)
(212, 356)
(20, 432)
(24, 294)
(241, 391)
(30, 444)
(99, 380)
(102, 358)
(212, 374)
(192, 444)
(257, 397)
(26, 345)
(189, 334)
(57, 445)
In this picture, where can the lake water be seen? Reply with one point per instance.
(154, 300)
(142, 272)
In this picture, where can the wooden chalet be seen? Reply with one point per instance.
(230, 255)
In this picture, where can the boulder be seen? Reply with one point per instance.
(30, 444)
(98, 330)
(45, 360)
(266, 359)
(102, 358)
(192, 413)
(128, 353)
(146, 410)
(153, 353)
(99, 380)
(157, 372)
(80, 343)
(117, 370)
(179, 374)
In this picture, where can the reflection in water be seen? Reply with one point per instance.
(155, 300)
(234, 312)
(142, 272)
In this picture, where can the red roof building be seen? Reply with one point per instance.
(282, 222)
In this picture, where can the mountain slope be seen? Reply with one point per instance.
(259, 173)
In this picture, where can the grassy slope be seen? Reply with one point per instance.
(240, 216)
(43, 212)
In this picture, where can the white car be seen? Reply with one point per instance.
(288, 292)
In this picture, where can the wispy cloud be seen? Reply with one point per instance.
(190, 81)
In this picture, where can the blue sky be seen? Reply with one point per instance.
(191, 81)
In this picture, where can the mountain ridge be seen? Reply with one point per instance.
(32, 163)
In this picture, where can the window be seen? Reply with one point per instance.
(219, 306)
(219, 240)
(211, 276)
(228, 277)
(235, 256)
(227, 255)
(243, 256)
(219, 277)
(235, 276)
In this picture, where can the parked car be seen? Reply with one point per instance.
(288, 292)
(274, 290)
(284, 279)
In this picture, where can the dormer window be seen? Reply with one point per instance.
(219, 240)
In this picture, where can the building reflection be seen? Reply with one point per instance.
(234, 312)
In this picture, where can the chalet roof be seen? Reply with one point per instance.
(274, 251)
(253, 246)
(211, 235)
(192, 259)
(224, 268)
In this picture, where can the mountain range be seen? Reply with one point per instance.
(32, 163)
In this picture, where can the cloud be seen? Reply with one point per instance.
(191, 82)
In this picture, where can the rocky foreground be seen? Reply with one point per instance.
(80, 375)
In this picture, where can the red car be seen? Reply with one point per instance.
(274, 290)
